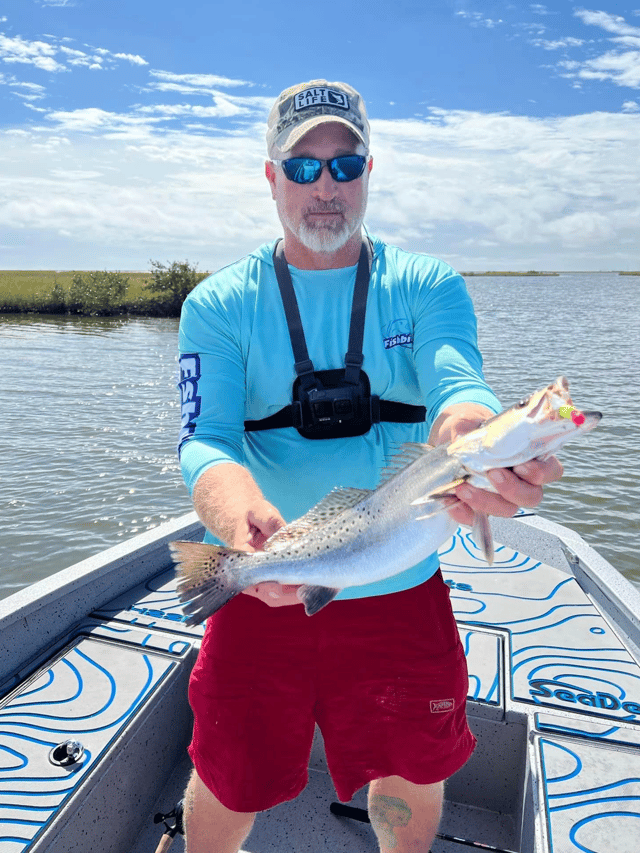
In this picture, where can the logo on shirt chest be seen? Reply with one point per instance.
(397, 334)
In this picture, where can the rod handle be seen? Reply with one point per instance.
(165, 843)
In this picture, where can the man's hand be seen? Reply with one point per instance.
(233, 508)
(254, 526)
(252, 532)
(521, 486)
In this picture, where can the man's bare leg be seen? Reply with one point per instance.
(404, 816)
(209, 826)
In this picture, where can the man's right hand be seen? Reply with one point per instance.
(251, 535)
(233, 508)
(255, 526)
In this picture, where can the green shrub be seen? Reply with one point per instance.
(170, 285)
(97, 293)
(57, 301)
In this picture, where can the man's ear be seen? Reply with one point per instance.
(270, 174)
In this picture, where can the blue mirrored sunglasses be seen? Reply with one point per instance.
(307, 170)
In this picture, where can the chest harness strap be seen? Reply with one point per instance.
(332, 403)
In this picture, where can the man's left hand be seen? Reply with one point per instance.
(517, 487)
(520, 487)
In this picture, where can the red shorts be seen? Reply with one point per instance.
(384, 677)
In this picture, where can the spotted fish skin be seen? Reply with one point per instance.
(359, 536)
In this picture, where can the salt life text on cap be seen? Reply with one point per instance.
(303, 107)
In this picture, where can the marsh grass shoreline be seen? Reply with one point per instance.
(158, 293)
(493, 273)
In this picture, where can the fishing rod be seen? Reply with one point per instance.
(362, 815)
(174, 825)
(338, 809)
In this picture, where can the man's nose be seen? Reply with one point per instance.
(325, 186)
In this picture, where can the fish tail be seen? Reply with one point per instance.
(209, 576)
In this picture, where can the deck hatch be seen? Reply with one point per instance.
(89, 694)
(563, 653)
(592, 802)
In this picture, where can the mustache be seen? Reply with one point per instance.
(326, 207)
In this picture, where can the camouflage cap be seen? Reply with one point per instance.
(301, 108)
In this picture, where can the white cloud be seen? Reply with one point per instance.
(477, 19)
(36, 53)
(557, 44)
(72, 52)
(628, 41)
(620, 66)
(56, 55)
(34, 88)
(540, 9)
(200, 82)
(531, 29)
(100, 57)
(92, 120)
(110, 190)
(611, 23)
(630, 107)
(623, 69)
(134, 59)
(32, 91)
(168, 196)
(222, 109)
(79, 58)
(552, 187)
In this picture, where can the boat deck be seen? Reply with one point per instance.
(554, 700)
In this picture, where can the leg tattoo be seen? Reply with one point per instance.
(387, 813)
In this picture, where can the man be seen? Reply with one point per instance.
(367, 667)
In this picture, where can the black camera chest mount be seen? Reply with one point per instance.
(332, 403)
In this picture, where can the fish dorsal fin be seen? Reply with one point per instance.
(407, 454)
(324, 511)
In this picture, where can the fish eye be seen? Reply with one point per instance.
(522, 403)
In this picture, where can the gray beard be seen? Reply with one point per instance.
(323, 239)
(326, 239)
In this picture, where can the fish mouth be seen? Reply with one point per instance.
(555, 431)
(554, 407)
(554, 419)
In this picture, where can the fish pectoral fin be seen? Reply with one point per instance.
(441, 492)
(315, 598)
(438, 505)
(483, 535)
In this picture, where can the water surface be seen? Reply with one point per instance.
(90, 417)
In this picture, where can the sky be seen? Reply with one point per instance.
(505, 135)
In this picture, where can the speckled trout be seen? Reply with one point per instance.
(359, 536)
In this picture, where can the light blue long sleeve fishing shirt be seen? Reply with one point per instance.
(236, 364)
